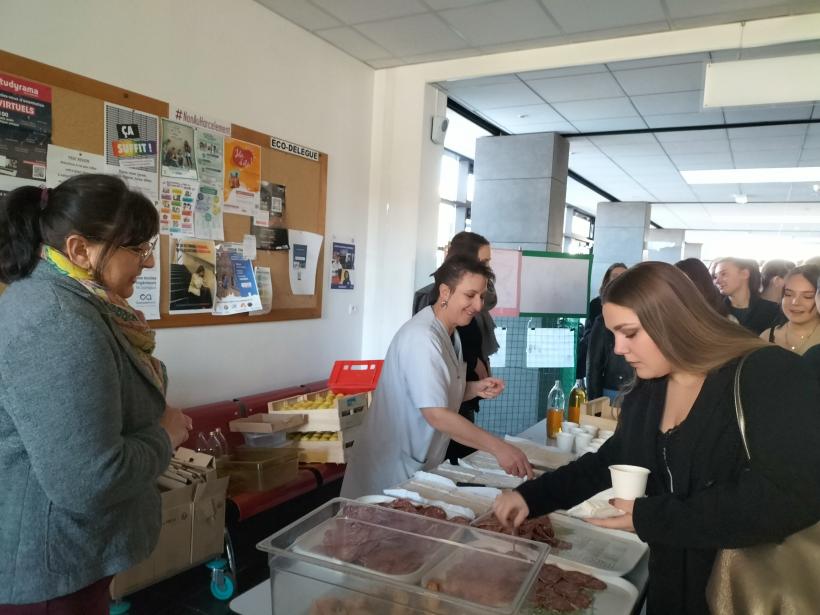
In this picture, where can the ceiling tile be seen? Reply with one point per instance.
(616, 152)
(389, 63)
(596, 109)
(511, 116)
(660, 79)
(579, 87)
(774, 158)
(409, 36)
(660, 61)
(441, 5)
(767, 113)
(674, 120)
(561, 127)
(815, 115)
(653, 164)
(666, 104)
(716, 194)
(678, 136)
(570, 71)
(518, 45)
(438, 56)
(359, 11)
(698, 146)
(470, 83)
(501, 22)
(617, 123)
(812, 140)
(589, 15)
(350, 41)
(784, 130)
(301, 13)
(681, 9)
(496, 96)
(699, 162)
(752, 144)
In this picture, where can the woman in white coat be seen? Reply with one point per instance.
(415, 406)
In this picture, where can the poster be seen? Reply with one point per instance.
(242, 176)
(131, 148)
(208, 149)
(193, 276)
(177, 152)
(265, 286)
(507, 269)
(342, 264)
(146, 290)
(176, 211)
(236, 290)
(183, 115)
(64, 163)
(304, 258)
(25, 129)
(271, 238)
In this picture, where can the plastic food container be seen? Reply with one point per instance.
(357, 557)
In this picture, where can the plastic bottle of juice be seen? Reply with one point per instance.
(577, 396)
(556, 402)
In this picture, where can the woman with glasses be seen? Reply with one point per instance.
(84, 427)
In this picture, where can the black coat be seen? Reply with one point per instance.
(759, 316)
(604, 369)
(708, 497)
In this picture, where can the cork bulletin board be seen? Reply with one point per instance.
(78, 123)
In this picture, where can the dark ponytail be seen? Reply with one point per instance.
(19, 233)
(99, 207)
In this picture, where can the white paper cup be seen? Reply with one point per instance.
(593, 448)
(598, 441)
(567, 426)
(582, 440)
(581, 451)
(605, 434)
(565, 441)
(628, 482)
(590, 429)
(576, 430)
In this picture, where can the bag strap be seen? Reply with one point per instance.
(741, 419)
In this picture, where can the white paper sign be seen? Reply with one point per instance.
(63, 163)
(146, 290)
(550, 348)
(304, 258)
(499, 358)
(265, 286)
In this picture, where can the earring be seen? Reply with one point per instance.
(444, 304)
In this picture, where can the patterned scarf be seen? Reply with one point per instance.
(131, 322)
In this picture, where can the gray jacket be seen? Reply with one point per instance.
(80, 443)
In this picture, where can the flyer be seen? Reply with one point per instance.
(271, 238)
(25, 129)
(130, 138)
(64, 163)
(271, 203)
(265, 285)
(146, 290)
(342, 264)
(176, 212)
(208, 150)
(304, 259)
(236, 290)
(242, 176)
(177, 152)
(193, 276)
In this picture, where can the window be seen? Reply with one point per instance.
(581, 227)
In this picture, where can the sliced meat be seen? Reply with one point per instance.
(550, 574)
(584, 580)
(552, 600)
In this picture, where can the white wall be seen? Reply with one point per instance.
(401, 168)
(238, 61)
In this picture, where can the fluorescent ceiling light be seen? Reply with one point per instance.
(752, 176)
(762, 82)
(763, 219)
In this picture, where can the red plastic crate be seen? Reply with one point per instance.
(355, 376)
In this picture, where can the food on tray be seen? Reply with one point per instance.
(323, 402)
(537, 528)
(434, 512)
(354, 606)
(482, 578)
(314, 436)
(562, 591)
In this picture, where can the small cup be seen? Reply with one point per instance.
(567, 426)
(590, 429)
(597, 441)
(582, 440)
(576, 430)
(628, 482)
(593, 448)
(605, 434)
(565, 441)
(581, 451)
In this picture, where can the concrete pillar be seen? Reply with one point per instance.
(692, 250)
(621, 231)
(666, 245)
(520, 190)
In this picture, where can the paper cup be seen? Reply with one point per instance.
(590, 429)
(593, 448)
(576, 430)
(598, 441)
(628, 482)
(565, 441)
(605, 434)
(567, 426)
(582, 440)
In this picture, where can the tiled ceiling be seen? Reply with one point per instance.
(385, 33)
(661, 93)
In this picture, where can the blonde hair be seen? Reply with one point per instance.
(690, 334)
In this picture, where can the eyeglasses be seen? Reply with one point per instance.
(143, 252)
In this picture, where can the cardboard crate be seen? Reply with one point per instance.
(193, 527)
(608, 418)
(269, 423)
(336, 414)
(261, 469)
(332, 451)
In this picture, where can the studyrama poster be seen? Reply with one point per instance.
(236, 290)
(25, 130)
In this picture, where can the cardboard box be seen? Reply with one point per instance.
(330, 451)
(608, 418)
(261, 469)
(269, 423)
(193, 526)
(333, 414)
